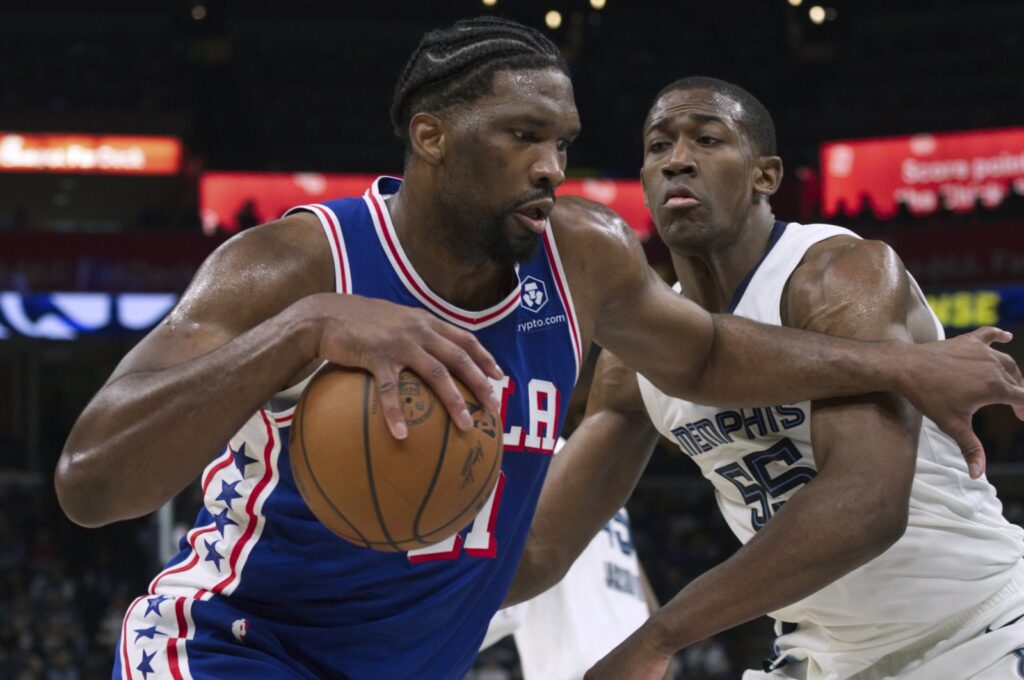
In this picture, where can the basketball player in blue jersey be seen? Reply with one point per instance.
(467, 267)
(865, 537)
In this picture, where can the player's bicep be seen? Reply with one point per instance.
(853, 289)
(234, 291)
(859, 290)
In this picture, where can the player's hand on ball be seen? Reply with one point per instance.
(385, 338)
(954, 378)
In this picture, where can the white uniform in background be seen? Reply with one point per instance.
(920, 610)
(564, 631)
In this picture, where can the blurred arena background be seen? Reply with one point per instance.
(137, 137)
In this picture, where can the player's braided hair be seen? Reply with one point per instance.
(757, 120)
(456, 65)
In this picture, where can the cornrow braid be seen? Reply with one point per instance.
(456, 65)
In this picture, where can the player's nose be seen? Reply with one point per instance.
(680, 161)
(549, 168)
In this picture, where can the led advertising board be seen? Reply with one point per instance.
(956, 171)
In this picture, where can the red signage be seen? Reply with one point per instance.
(227, 198)
(82, 153)
(955, 171)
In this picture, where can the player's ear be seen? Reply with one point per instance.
(767, 175)
(427, 138)
(643, 189)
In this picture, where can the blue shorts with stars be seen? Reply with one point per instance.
(182, 637)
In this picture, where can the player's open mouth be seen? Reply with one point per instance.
(534, 215)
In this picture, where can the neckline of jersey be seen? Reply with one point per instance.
(386, 186)
(778, 227)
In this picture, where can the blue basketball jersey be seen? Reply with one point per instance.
(337, 610)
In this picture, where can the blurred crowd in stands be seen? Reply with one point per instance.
(63, 591)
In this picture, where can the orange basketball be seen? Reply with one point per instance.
(379, 492)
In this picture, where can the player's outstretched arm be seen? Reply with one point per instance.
(254, 320)
(727, 360)
(589, 479)
(864, 449)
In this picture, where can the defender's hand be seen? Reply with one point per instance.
(948, 381)
(384, 338)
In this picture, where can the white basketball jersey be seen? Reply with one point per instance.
(957, 551)
(565, 630)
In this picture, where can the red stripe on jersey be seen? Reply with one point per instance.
(172, 644)
(224, 461)
(126, 667)
(336, 242)
(492, 547)
(250, 529)
(172, 659)
(438, 303)
(563, 292)
(452, 554)
(185, 566)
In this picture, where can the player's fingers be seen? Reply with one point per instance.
(1015, 399)
(1008, 388)
(1011, 367)
(466, 369)
(385, 374)
(473, 349)
(437, 376)
(971, 449)
(990, 334)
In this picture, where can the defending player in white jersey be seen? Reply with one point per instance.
(870, 570)
(603, 598)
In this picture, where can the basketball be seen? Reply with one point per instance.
(379, 492)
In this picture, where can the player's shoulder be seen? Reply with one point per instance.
(602, 256)
(844, 257)
(575, 217)
(291, 252)
(839, 271)
(595, 243)
(260, 271)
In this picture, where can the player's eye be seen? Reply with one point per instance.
(658, 145)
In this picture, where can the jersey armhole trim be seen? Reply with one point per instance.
(332, 229)
(562, 283)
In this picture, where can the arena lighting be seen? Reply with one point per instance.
(817, 14)
(198, 12)
(69, 316)
(598, 4)
(61, 152)
(490, 3)
(553, 19)
(795, 3)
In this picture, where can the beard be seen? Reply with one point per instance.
(502, 247)
(473, 234)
